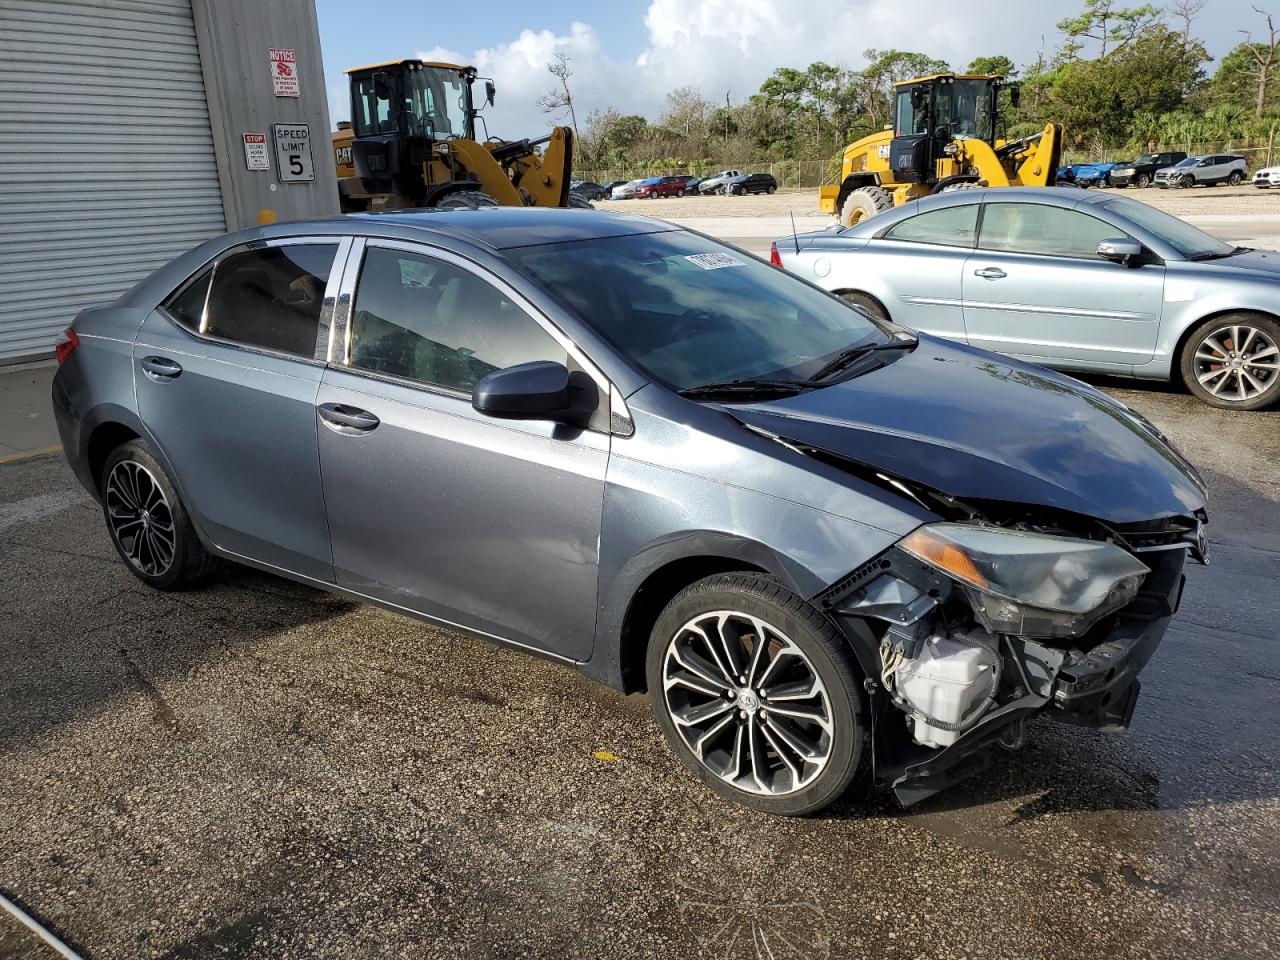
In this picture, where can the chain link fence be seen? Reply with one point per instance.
(1257, 156)
(788, 173)
(810, 174)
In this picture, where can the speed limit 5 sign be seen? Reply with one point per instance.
(293, 152)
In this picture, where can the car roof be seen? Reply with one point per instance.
(498, 228)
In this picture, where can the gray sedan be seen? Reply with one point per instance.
(1076, 281)
(651, 457)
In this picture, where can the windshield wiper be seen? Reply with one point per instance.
(1210, 255)
(748, 386)
(847, 357)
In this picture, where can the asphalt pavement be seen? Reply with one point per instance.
(258, 769)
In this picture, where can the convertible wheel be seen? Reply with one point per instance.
(867, 302)
(757, 693)
(148, 523)
(1234, 362)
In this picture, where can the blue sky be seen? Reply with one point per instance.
(629, 53)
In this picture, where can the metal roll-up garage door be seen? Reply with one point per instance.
(107, 166)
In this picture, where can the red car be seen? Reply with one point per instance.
(665, 187)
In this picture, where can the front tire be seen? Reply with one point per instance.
(468, 200)
(1142, 180)
(1233, 361)
(148, 522)
(757, 693)
(579, 202)
(863, 204)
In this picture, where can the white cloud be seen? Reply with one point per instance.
(733, 45)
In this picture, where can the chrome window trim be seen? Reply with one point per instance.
(336, 240)
(324, 330)
(619, 418)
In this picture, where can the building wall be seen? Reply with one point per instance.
(235, 38)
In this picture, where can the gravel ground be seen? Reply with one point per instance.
(1210, 201)
(256, 769)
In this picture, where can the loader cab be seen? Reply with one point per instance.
(399, 111)
(932, 112)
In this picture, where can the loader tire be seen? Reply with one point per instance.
(467, 200)
(863, 204)
(579, 202)
(966, 185)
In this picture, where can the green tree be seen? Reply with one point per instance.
(998, 64)
(1103, 21)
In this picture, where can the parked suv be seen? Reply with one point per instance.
(1207, 170)
(664, 187)
(750, 183)
(712, 184)
(1140, 172)
(1267, 177)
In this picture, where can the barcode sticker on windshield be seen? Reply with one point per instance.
(714, 261)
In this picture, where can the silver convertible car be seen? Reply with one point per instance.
(1072, 280)
(829, 549)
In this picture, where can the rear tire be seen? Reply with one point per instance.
(467, 200)
(1236, 178)
(148, 522)
(866, 302)
(789, 756)
(863, 204)
(1217, 371)
(965, 185)
(772, 190)
(579, 202)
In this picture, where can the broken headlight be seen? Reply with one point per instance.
(1030, 584)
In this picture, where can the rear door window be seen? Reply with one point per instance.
(270, 297)
(429, 321)
(949, 227)
(1049, 231)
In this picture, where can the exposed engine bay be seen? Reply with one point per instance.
(1001, 611)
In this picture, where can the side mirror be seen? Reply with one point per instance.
(1015, 94)
(489, 91)
(540, 390)
(1120, 250)
(919, 98)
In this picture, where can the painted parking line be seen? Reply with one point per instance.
(34, 508)
(58, 947)
(29, 454)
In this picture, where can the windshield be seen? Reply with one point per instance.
(1189, 162)
(1146, 158)
(691, 311)
(437, 102)
(1189, 241)
(964, 108)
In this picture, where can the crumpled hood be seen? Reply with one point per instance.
(976, 425)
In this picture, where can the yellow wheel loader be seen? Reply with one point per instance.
(943, 138)
(412, 143)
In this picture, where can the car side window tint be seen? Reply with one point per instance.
(270, 297)
(186, 304)
(430, 321)
(950, 227)
(1036, 228)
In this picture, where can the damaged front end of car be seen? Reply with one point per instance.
(994, 613)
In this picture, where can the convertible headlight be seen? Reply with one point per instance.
(1030, 584)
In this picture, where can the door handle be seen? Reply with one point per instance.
(160, 368)
(990, 273)
(351, 418)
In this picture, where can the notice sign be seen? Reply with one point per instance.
(284, 72)
(293, 152)
(255, 151)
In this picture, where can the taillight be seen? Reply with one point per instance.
(774, 258)
(66, 342)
